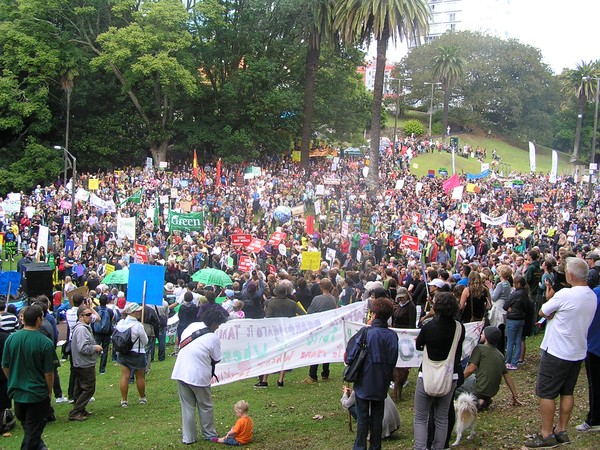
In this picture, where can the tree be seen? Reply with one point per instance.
(581, 82)
(358, 20)
(320, 28)
(448, 69)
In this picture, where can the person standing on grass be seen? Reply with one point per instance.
(320, 303)
(592, 369)
(103, 330)
(371, 388)
(569, 314)
(199, 352)
(28, 362)
(84, 352)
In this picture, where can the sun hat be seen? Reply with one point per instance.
(132, 307)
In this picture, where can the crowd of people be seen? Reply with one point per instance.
(457, 267)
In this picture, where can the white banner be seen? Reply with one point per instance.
(82, 195)
(252, 347)
(42, 240)
(457, 193)
(554, 169)
(126, 227)
(408, 355)
(531, 156)
(12, 203)
(495, 221)
(107, 205)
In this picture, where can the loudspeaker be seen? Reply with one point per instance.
(38, 280)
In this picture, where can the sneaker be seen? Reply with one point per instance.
(102, 373)
(62, 399)
(309, 380)
(537, 441)
(88, 414)
(562, 437)
(279, 383)
(261, 384)
(511, 367)
(92, 399)
(584, 427)
(214, 439)
(124, 404)
(143, 401)
(78, 418)
(325, 379)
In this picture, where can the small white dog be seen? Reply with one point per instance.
(465, 408)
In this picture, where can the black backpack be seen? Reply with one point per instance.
(7, 421)
(122, 341)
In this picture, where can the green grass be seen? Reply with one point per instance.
(283, 418)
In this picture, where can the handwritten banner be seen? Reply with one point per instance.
(310, 261)
(495, 221)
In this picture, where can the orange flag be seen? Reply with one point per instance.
(195, 165)
(218, 180)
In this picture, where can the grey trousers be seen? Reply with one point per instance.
(422, 406)
(192, 397)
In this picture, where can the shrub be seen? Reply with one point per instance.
(414, 126)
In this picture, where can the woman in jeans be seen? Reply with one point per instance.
(437, 335)
(517, 307)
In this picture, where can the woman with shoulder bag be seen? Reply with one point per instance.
(441, 339)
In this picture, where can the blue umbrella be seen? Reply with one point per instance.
(282, 214)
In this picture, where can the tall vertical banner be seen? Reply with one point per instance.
(531, 156)
(42, 239)
(554, 169)
(126, 227)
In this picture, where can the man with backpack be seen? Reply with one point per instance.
(103, 329)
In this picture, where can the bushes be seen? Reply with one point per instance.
(415, 127)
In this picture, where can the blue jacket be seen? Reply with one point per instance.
(593, 337)
(379, 365)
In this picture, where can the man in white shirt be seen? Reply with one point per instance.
(569, 313)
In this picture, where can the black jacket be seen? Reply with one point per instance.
(519, 305)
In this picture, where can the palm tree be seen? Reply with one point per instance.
(581, 82)
(67, 82)
(320, 28)
(448, 69)
(359, 20)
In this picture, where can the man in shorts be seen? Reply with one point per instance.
(569, 313)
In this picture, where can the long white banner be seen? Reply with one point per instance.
(554, 168)
(495, 221)
(253, 347)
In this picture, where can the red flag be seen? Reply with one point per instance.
(218, 180)
(310, 224)
(203, 179)
(451, 183)
(195, 165)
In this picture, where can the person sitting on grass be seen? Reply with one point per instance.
(241, 432)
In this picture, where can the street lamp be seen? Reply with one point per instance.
(73, 161)
(593, 156)
(431, 104)
(397, 105)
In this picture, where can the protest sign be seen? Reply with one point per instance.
(245, 264)
(153, 277)
(411, 242)
(277, 237)
(510, 232)
(330, 255)
(83, 290)
(126, 227)
(93, 184)
(311, 261)
(345, 227)
(495, 221)
(298, 210)
(241, 239)
(528, 207)
(256, 245)
(141, 252)
(109, 268)
(12, 279)
(185, 222)
(282, 249)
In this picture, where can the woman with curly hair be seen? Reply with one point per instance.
(475, 299)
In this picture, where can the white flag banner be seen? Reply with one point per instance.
(107, 205)
(42, 241)
(317, 207)
(399, 184)
(495, 221)
(82, 195)
(457, 193)
(531, 156)
(12, 203)
(126, 227)
(252, 347)
(418, 187)
(554, 168)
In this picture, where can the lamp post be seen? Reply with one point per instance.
(593, 155)
(399, 80)
(73, 161)
(431, 104)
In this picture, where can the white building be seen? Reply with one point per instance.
(486, 16)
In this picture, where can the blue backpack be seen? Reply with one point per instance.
(104, 326)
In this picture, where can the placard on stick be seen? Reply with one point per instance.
(153, 276)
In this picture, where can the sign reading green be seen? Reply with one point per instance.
(186, 222)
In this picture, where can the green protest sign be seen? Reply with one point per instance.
(186, 222)
(11, 248)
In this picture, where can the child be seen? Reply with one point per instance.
(241, 432)
(237, 312)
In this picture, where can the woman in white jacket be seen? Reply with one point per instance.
(136, 359)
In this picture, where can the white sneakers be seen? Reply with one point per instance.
(63, 399)
(587, 427)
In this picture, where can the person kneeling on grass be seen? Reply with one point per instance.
(241, 432)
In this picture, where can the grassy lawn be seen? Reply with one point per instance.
(283, 417)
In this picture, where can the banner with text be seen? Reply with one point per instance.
(494, 221)
(126, 227)
(186, 222)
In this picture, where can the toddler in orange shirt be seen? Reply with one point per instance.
(241, 432)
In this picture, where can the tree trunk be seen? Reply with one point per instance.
(373, 177)
(312, 65)
(581, 107)
(445, 113)
(159, 152)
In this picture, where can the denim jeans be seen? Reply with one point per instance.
(162, 344)
(514, 331)
(104, 341)
(369, 419)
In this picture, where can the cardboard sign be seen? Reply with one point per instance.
(241, 239)
(311, 261)
(332, 180)
(411, 242)
(153, 277)
(345, 229)
(277, 237)
(528, 207)
(93, 184)
(141, 252)
(245, 264)
(510, 232)
(256, 245)
(83, 290)
(298, 210)
(109, 268)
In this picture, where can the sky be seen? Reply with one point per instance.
(564, 31)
